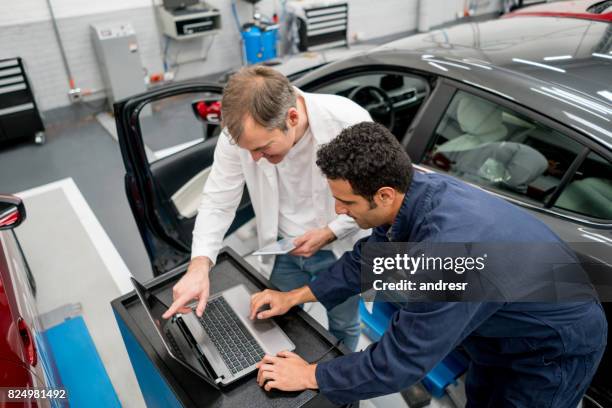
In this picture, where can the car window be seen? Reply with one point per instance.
(392, 99)
(590, 191)
(169, 125)
(495, 147)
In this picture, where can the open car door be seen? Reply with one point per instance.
(167, 139)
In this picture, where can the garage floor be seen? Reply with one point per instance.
(86, 153)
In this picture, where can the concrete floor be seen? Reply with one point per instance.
(85, 152)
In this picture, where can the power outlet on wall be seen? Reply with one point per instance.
(75, 95)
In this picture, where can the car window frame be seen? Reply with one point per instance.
(445, 92)
(592, 221)
(313, 85)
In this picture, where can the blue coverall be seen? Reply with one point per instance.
(522, 354)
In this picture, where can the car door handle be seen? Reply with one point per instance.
(29, 346)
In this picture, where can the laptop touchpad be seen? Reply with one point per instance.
(271, 338)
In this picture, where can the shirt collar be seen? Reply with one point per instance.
(317, 115)
(409, 215)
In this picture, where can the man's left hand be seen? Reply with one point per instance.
(286, 372)
(313, 240)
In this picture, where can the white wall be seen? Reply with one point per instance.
(26, 31)
(36, 43)
(30, 11)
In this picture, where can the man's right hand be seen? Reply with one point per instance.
(193, 285)
(278, 303)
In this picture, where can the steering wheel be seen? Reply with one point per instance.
(377, 102)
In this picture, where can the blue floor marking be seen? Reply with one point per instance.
(156, 392)
(79, 365)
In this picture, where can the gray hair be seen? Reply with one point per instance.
(261, 92)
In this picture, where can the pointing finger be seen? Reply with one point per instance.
(175, 306)
(201, 306)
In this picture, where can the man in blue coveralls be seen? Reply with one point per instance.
(522, 354)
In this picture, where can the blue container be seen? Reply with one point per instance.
(375, 324)
(259, 43)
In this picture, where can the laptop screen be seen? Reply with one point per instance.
(155, 308)
(152, 303)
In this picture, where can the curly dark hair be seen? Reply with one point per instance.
(369, 157)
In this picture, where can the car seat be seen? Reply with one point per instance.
(590, 196)
(508, 164)
(480, 121)
(481, 154)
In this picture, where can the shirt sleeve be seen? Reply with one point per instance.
(420, 335)
(342, 226)
(220, 198)
(343, 279)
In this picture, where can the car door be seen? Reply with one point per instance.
(25, 356)
(167, 139)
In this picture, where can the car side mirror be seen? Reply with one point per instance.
(207, 111)
(12, 212)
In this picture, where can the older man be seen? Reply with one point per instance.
(267, 118)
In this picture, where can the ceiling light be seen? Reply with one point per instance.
(433, 64)
(537, 64)
(558, 58)
(606, 94)
(596, 54)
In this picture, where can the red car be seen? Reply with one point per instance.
(583, 9)
(24, 358)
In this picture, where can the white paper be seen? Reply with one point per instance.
(281, 247)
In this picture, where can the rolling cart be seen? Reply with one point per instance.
(164, 383)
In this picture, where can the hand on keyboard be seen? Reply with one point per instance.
(286, 372)
(270, 303)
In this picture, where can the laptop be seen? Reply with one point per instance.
(224, 344)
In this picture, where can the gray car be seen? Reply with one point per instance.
(521, 107)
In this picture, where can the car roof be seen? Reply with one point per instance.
(585, 9)
(561, 68)
(574, 53)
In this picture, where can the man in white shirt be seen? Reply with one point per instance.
(267, 118)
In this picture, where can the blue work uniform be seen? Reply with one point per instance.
(522, 354)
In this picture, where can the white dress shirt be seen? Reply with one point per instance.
(295, 204)
(234, 167)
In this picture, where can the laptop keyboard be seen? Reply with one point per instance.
(237, 346)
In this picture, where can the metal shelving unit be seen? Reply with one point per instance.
(325, 26)
(19, 115)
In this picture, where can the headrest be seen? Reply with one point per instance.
(479, 117)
